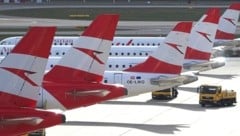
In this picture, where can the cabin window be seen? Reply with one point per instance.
(123, 66)
(57, 53)
(105, 81)
(122, 53)
(140, 54)
(110, 66)
(63, 53)
(110, 54)
(1, 53)
(128, 53)
(153, 44)
(116, 66)
(146, 54)
(116, 53)
(134, 54)
(130, 66)
(51, 65)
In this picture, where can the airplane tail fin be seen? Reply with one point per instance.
(228, 23)
(23, 69)
(85, 61)
(76, 80)
(168, 58)
(202, 37)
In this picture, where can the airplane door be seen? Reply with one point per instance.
(118, 78)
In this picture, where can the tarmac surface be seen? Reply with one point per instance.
(142, 116)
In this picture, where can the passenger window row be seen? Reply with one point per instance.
(128, 54)
(55, 43)
(118, 66)
(137, 44)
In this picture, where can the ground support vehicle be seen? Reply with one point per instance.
(214, 95)
(169, 93)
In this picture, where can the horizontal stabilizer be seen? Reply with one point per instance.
(174, 81)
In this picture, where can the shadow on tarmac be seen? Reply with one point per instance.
(191, 107)
(187, 89)
(222, 76)
(160, 129)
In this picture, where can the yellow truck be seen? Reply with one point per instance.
(214, 95)
(169, 93)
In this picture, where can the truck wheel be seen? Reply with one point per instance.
(175, 93)
(230, 102)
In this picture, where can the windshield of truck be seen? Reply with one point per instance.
(208, 89)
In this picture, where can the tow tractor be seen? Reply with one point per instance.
(169, 93)
(214, 95)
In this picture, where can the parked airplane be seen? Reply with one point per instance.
(72, 84)
(196, 58)
(160, 71)
(198, 51)
(21, 75)
(194, 54)
(76, 80)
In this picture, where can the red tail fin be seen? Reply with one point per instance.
(91, 53)
(168, 58)
(22, 70)
(202, 36)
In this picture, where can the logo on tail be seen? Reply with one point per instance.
(175, 46)
(23, 74)
(231, 20)
(206, 35)
(91, 53)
